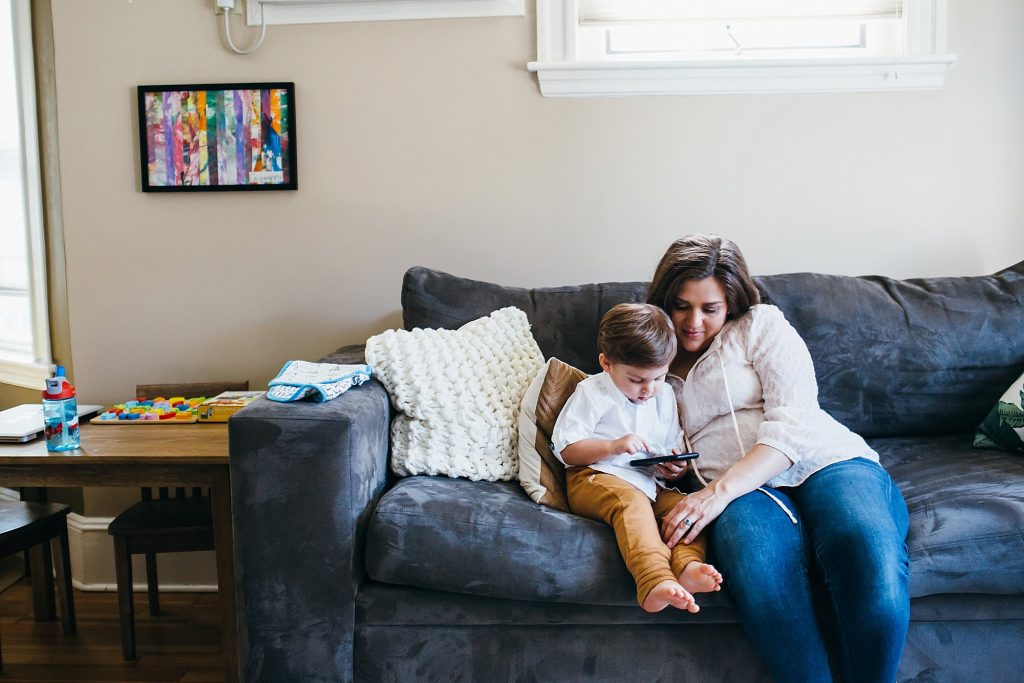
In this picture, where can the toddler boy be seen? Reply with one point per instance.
(611, 417)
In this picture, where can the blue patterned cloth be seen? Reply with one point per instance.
(323, 381)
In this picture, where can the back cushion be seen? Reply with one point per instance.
(892, 357)
(901, 357)
(564, 319)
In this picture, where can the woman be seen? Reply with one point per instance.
(797, 499)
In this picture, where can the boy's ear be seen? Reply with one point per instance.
(606, 364)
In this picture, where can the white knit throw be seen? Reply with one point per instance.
(458, 392)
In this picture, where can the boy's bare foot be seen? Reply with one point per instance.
(667, 593)
(698, 577)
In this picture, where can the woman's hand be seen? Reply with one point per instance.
(691, 515)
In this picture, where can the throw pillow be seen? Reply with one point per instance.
(458, 392)
(541, 474)
(1004, 425)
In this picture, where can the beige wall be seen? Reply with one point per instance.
(428, 143)
(11, 395)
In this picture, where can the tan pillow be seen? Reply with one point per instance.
(541, 474)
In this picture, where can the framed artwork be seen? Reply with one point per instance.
(215, 137)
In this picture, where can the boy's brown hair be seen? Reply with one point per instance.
(640, 335)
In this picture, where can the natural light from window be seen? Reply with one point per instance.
(742, 40)
(15, 305)
(24, 320)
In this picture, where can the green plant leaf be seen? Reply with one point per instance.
(983, 440)
(1012, 415)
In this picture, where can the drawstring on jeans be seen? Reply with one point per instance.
(739, 440)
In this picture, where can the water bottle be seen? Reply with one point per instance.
(60, 413)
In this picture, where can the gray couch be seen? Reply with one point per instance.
(345, 573)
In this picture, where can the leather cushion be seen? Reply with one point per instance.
(540, 472)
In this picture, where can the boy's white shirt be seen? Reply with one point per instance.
(598, 410)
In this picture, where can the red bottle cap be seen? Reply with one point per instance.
(58, 388)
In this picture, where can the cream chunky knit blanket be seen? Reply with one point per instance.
(458, 392)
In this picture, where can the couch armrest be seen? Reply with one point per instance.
(305, 478)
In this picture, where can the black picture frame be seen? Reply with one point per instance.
(202, 137)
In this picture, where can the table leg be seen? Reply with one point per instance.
(62, 564)
(44, 602)
(223, 539)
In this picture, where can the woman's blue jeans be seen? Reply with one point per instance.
(851, 538)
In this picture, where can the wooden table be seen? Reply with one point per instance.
(145, 455)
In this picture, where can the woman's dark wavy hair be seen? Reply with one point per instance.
(697, 257)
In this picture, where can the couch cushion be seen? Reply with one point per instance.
(540, 472)
(897, 357)
(966, 514)
(564, 319)
(490, 539)
(893, 357)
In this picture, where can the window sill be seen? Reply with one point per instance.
(24, 374)
(621, 79)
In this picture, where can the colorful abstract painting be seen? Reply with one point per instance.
(217, 137)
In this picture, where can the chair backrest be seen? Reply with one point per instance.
(164, 492)
(188, 390)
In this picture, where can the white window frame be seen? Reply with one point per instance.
(30, 372)
(327, 11)
(560, 74)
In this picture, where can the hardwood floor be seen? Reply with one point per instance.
(182, 644)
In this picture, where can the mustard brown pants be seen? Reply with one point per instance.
(635, 520)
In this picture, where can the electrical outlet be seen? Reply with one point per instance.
(220, 5)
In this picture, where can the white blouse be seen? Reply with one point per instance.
(598, 410)
(758, 369)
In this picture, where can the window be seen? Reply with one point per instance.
(636, 47)
(24, 329)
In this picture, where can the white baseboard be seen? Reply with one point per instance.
(142, 588)
(92, 562)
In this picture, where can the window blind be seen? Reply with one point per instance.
(617, 12)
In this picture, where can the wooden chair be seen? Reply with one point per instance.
(25, 525)
(161, 524)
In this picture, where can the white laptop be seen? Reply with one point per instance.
(25, 422)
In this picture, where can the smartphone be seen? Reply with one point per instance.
(654, 460)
